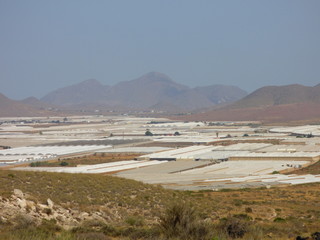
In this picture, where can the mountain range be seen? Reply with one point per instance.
(156, 91)
(152, 91)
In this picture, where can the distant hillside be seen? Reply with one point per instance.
(297, 112)
(270, 104)
(152, 91)
(278, 95)
(145, 91)
(12, 108)
(85, 92)
(36, 103)
(219, 94)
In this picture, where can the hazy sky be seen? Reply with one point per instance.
(45, 45)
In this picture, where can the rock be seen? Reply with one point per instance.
(83, 215)
(62, 211)
(18, 193)
(50, 203)
(3, 219)
(98, 213)
(42, 206)
(61, 218)
(18, 204)
(22, 203)
(31, 205)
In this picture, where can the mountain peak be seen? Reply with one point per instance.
(156, 76)
(90, 82)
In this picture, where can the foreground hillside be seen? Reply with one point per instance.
(105, 207)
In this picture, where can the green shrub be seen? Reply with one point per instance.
(237, 202)
(235, 227)
(23, 222)
(249, 210)
(110, 230)
(148, 133)
(242, 216)
(135, 221)
(182, 222)
(11, 175)
(35, 164)
(49, 226)
(279, 219)
(134, 233)
(92, 236)
(64, 164)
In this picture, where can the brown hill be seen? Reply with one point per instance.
(152, 91)
(270, 114)
(12, 108)
(270, 105)
(278, 95)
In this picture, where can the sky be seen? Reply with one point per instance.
(46, 45)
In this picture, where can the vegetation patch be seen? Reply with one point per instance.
(133, 210)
